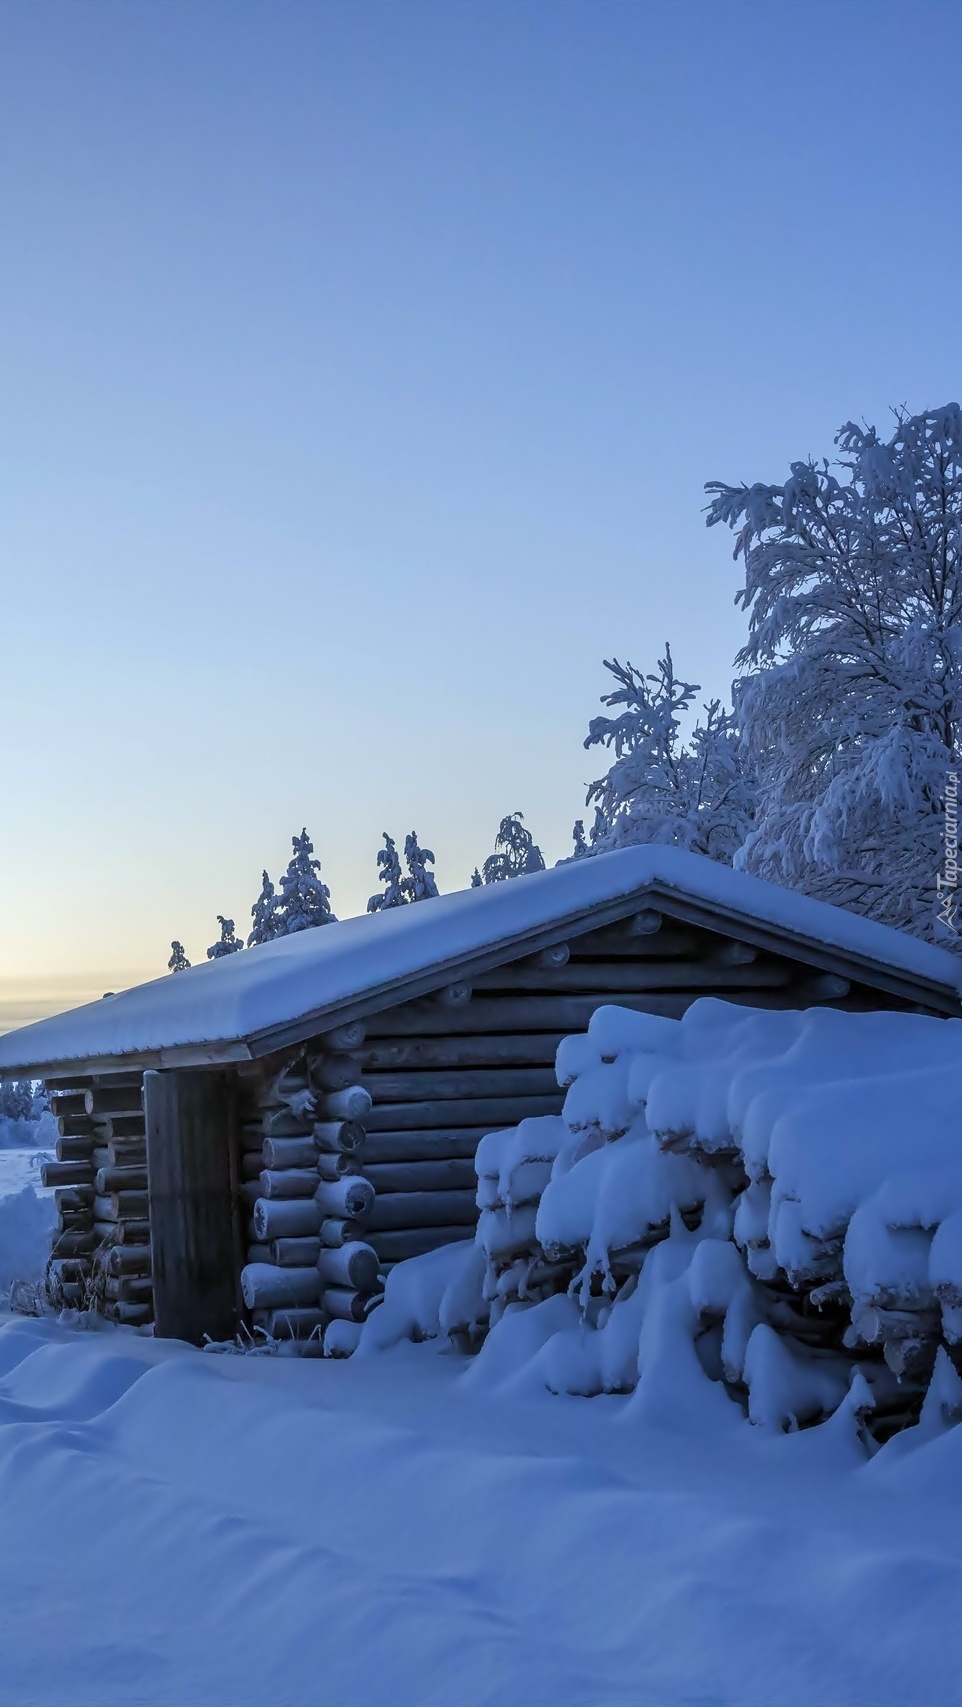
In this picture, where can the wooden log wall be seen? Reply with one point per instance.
(357, 1151)
(100, 1257)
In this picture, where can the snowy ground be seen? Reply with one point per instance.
(181, 1528)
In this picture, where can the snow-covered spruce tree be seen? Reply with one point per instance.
(850, 707)
(694, 794)
(178, 961)
(228, 944)
(420, 883)
(264, 914)
(515, 851)
(304, 900)
(578, 838)
(477, 881)
(389, 873)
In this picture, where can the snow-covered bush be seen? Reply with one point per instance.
(25, 1117)
(27, 1220)
(694, 794)
(227, 942)
(850, 708)
(750, 1206)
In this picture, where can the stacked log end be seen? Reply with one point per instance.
(100, 1257)
(307, 1261)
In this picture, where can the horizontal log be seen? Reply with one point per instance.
(349, 1036)
(455, 1083)
(131, 1315)
(336, 1231)
(455, 995)
(288, 1182)
(333, 1072)
(67, 1104)
(331, 1135)
(355, 1266)
(75, 1221)
(265, 1287)
(258, 1253)
(427, 1145)
(123, 1126)
(411, 1209)
(455, 1174)
(102, 1099)
(251, 1140)
(71, 1269)
(75, 1126)
(480, 1111)
(123, 1232)
(121, 1206)
(74, 1242)
(344, 1305)
(421, 1054)
(279, 1219)
(74, 1197)
(294, 1253)
(252, 1163)
(557, 955)
(123, 1180)
(249, 1190)
(293, 1324)
(66, 1173)
(519, 1013)
(126, 1153)
(826, 986)
(351, 1197)
(637, 976)
(128, 1259)
(74, 1149)
(281, 1153)
(99, 1157)
(399, 1247)
(130, 1288)
(617, 942)
(334, 1167)
(352, 1103)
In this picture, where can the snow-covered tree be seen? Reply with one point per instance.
(477, 880)
(693, 793)
(516, 852)
(389, 873)
(178, 961)
(304, 900)
(264, 914)
(578, 838)
(850, 705)
(228, 943)
(420, 883)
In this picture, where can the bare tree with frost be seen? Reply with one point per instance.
(265, 914)
(516, 853)
(694, 793)
(389, 873)
(178, 961)
(305, 901)
(420, 883)
(850, 707)
(228, 943)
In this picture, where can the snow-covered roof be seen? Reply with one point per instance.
(238, 1006)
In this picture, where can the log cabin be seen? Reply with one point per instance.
(255, 1142)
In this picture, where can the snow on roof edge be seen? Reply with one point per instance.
(219, 1003)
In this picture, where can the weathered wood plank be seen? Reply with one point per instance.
(398, 1246)
(637, 977)
(455, 1174)
(190, 1115)
(454, 1083)
(438, 1145)
(416, 1054)
(517, 1013)
(506, 1111)
(411, 1209)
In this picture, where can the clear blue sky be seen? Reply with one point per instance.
(362, 365)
